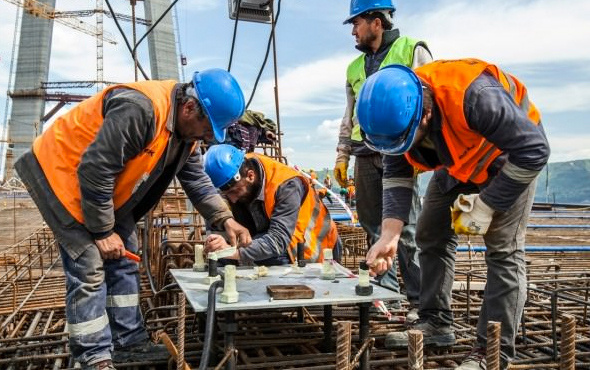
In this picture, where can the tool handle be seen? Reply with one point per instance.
(132, 256)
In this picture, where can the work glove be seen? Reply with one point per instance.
(470, 215)
(341, 172)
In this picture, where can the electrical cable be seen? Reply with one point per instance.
(271, 36)
(210, 324)
(154, 25)
(125, 39)
(233, 41)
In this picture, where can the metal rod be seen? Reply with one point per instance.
(343, 343)
(181, 317)
(415, 350)
(567, 360)
(493, 345)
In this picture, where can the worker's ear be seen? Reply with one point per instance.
(250, 176)
(189, 106)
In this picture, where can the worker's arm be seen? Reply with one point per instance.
(398, 183)
(275, 241)
(422, 55)
(344, 141)
(344, 148)
(491, 111)
(127, 128)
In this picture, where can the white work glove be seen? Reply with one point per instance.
(470, 215)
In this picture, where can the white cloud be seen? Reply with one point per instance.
(328, 130)
(504, 31)
(569, 148)
(288, 151)
(572, 97)
(308, 89)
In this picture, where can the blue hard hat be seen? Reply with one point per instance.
(389, 109)
(358, 7)
(221, 98)
(222, 165)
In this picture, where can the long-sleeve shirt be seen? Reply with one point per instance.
(489, 110)
(127, 128)
(270, 236)
(347, 146)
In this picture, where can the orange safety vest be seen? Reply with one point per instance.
(471, 152)
(60, 148)
(314, 226)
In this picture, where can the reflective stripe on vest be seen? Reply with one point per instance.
(314, 226)
(471, 152)
(400, 52)
(60, 148)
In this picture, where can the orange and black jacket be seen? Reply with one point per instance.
(484, 130)
(113, 155)
(285, 211)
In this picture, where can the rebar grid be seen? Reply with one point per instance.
(559, 285)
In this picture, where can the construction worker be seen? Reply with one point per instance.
(381, 45)
(474, 125)
(275, 202)
(312, 174)
(351, 192)
(97, 170)
(328, 182)
(252, 128)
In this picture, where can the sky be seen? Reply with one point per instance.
(545, 43)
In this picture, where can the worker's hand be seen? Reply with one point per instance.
(341, 172)
(470, 215)
(111, 247)
(381, 255)
(214, 242)
(271, 136)
(237, 234)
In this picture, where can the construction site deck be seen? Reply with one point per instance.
(553, 331)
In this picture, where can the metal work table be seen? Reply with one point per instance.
(253, 295)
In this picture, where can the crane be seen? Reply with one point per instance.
(39, 9)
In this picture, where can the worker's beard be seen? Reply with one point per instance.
(251, 192)
(366, 41)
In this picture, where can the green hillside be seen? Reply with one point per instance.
(569, 182)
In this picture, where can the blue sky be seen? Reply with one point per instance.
(545, 43)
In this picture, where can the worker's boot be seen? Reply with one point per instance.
(142, 351)
(433, 336)
(476, 360)
(412, 316)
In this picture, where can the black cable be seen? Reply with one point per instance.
(125, 38)
(210, 324)
(272, 33)
(154, 25)
(233, 40)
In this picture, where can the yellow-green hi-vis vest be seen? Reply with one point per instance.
(400, 52)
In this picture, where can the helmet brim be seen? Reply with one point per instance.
(384, 145)
(218, 133)
(350, 18)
